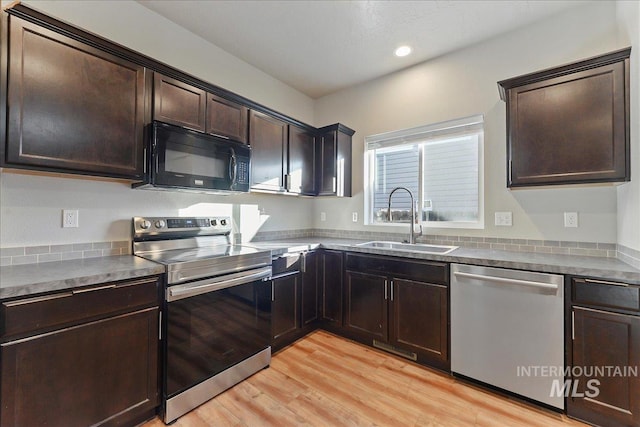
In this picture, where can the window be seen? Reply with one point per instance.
(441, 164)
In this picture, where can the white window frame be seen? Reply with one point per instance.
(451, 128)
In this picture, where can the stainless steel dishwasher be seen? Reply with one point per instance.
(507, 330)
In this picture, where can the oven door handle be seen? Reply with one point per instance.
(204, 286)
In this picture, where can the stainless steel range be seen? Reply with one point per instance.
(217, 310)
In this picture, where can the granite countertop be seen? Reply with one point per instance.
(596, 267)
(31, 279)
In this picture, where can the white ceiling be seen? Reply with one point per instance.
(319, 47)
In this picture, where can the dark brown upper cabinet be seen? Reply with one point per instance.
(282, 156)
(569, 124)
(333, 160)
(301, 169)
(72, 107)
(226, 118)
(77, 103)
(185, 105)
(268, 139)
(178, 103)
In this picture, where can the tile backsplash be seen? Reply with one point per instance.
(608, 250)
(46, 253)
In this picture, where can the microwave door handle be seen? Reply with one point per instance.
(233, 168)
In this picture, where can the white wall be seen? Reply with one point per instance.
(463, 83)
(629, 194)
(30, 206)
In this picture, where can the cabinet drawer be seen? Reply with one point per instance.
(605, 294)
(432, 272)
(65, 308)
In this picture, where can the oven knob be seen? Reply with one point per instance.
(214, 222)
(159, 224)
(145, 224)
(223, 222)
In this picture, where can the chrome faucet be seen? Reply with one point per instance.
(412, 235)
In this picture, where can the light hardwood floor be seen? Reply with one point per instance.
(325, 380)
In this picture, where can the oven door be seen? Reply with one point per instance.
(187, 159)
(213, 325)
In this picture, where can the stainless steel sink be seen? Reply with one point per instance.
(408, 247)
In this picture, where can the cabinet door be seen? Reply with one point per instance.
(310, 312)
(227, 118)
(570, 129)
(365, 311)
(73, 108)
(419, 318)
(327, 164)
(331, 287)
(100, 372)
(284, 306)
(301, 162)
(334, 163)
(178, 103)
(268, 139)
(603, 339)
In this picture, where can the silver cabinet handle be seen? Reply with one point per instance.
(273, 291)
(506, 281)
(392, 290)
(604, 282)
(385, 289)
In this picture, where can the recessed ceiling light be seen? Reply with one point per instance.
(403, 51)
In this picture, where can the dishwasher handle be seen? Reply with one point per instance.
(507, 281)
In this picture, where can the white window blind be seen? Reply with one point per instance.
(440, 163)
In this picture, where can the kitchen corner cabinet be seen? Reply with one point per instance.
(285, 308)
(294, 306)
(333, 160)
(400, 306)
(604, 319)
(569, 124)
(87, 356)
(330, 270)
(72, 107)
(182, 104)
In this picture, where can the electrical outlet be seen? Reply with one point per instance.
(504, 219)
(69, 218)
(354, 216)
(571, 219)
(323, 216)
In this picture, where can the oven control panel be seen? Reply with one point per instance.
(196, 225)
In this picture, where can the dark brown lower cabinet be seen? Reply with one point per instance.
(603, 344)
(399, 305)
(310, 312)
(84, 375)
(606, 340)
(366, 307)
(90, 358)
(419, 318)
(285, 318)
(294, 306)
(330, 270)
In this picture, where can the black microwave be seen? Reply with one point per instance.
(182, 159)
